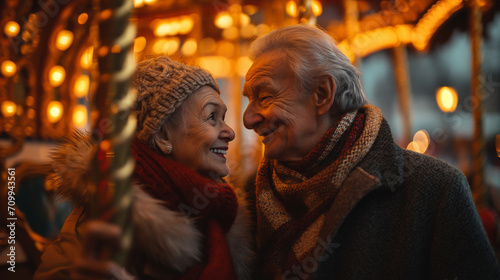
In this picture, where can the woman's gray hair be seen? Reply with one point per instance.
(310, 53)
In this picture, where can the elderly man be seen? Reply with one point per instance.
(336, 198)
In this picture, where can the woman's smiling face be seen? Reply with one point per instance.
(200, 137)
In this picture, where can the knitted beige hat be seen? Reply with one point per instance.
(162, 86)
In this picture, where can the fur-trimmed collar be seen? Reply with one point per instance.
(165, 237)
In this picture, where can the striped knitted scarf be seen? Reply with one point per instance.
(292, 198)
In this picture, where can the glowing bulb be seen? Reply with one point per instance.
(82, 18)
(80, 116)
(138, 3)
(8, 68)
(139, 44)
(316, 8)
(413, 147)
(86, 59)
(64, 40)
(421, 139)
(189, 48)
(54, 111)
(291, 8)
(57, 75)
(186, 25)
(82, 85)
(447, 99)
(223, 20)
(8, 108)
(11, 29)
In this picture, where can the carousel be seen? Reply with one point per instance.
(431, 66)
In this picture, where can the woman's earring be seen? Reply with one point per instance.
(168, 149)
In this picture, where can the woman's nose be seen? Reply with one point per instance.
(227, 133)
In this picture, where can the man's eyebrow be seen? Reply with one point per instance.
(262, 83)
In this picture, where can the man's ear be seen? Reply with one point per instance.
(162, 142)
(325, 93)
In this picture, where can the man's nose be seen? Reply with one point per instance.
(252, 116)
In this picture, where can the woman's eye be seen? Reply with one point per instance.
(211, 116)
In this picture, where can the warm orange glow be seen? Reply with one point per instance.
(225, 48)
(82, 18)
(8, 68)
(242, 65)
(139, 44)
(57, 75)
(8, 108)
(163, 29)
(230, 33)
(207, 45)
(421, 139)
(223, 20)
(150, 2)
(11, 29)
(250, 9)
(497, 144)
(218, 66)
(186, 24)
(248, 31)
(447, 99)
(138, 3)
(64, 40)
(189, 48)
(82, 85)
(86, 59)
(291, 8)
(54, 111)
(244, 19)
(164, 46)
(413, 147)
(80, 116)
(262, 29)
(316, 7)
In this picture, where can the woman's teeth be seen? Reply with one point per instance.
(218, 151)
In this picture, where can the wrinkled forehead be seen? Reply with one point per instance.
(270, 64)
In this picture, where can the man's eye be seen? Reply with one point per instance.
(264, 97)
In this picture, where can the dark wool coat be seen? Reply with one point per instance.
(402, 215)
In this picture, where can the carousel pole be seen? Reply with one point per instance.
(404, 89)
(351, 18)
(305, 12)
(114, 127)
(478, 153)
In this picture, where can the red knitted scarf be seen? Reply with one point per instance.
(212, 204)
(293, 197)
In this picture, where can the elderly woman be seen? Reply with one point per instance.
(188, 224)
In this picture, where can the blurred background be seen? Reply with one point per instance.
(431, 66)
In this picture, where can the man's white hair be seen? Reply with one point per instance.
(311, 53)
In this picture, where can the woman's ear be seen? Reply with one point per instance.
(325, 93)
(162, 142)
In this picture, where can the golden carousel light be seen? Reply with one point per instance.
(8, 68)
(186, 24)
(164, 28)
(189, 47)
(57, 75)
(138, 3)
(64, 40)
(316, 8)
(223, 20)
(139, 44)
(447, 99)
(242, 65)
(80, 116)
(8, 108)
(421, 139)
(82, 18)
(87, 57)
(11, 29)
(497, 144)
(230, 33)
(412, 146)
(82, 85)
(291, 8)
(54, 111)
